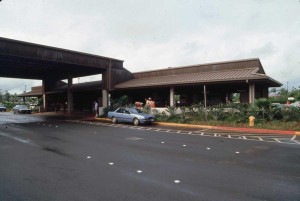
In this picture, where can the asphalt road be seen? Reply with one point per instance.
(57, 159)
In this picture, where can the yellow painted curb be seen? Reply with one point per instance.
(103, 119)
(297, 133)
(183, 125)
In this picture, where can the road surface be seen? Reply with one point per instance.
(60, 159)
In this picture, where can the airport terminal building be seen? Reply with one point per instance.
(213, 83)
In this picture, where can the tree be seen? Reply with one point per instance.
(295, 93)
(283, 92)
(6, 96)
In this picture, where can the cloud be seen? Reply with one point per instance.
(161, 33)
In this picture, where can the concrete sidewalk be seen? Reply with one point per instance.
(224, 128)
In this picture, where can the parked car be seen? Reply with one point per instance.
(2, 108)
(131, 115)
(21, 109)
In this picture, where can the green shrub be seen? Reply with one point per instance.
(171, 110)
(216, 113)
(263, 103)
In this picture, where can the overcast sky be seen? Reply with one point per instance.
(161, 33)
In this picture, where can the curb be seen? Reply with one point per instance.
(252, 130)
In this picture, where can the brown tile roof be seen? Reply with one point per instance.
(197, 78)
(35, 91)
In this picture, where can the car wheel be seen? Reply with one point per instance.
(136, 122)
(114, 120)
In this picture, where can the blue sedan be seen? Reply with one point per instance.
(130, 115)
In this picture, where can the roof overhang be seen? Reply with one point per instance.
(19, 59)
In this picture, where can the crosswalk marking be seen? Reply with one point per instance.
(254, 137)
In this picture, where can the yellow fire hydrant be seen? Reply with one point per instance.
(251, 121)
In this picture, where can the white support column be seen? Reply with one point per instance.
(45, 100)
(205, 101)
(104, 98)
(251, 93)
(70, 96)
(172, 92)
(204, 93)
(45, 97)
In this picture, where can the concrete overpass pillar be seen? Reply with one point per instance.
(172, 92)
(105, 98)
(70, 96)
(45, 102)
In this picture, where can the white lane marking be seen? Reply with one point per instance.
(215, 135)
(244, 137)
(110, 163)
(88, 157)
(294, 137)
(189, 133)
(295, 141)
(229, 136)
(267, 136)
(177, 181)
(277, 140)
(178, 131)
(260, 139)
(163, 142)
(207, 148)
(139, 171)
(184, 145)
(27, 141)
(133, 138)
(237, 152)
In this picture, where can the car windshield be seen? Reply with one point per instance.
(135, 111)
(23, 107)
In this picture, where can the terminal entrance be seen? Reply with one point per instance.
(25, 60)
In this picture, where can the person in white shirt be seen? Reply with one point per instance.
(95, 109)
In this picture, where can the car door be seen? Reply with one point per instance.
(119, 114)
(127, 116)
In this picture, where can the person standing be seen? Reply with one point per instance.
(96, 108)
(152, 103)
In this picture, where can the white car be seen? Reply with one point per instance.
(21, 109)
